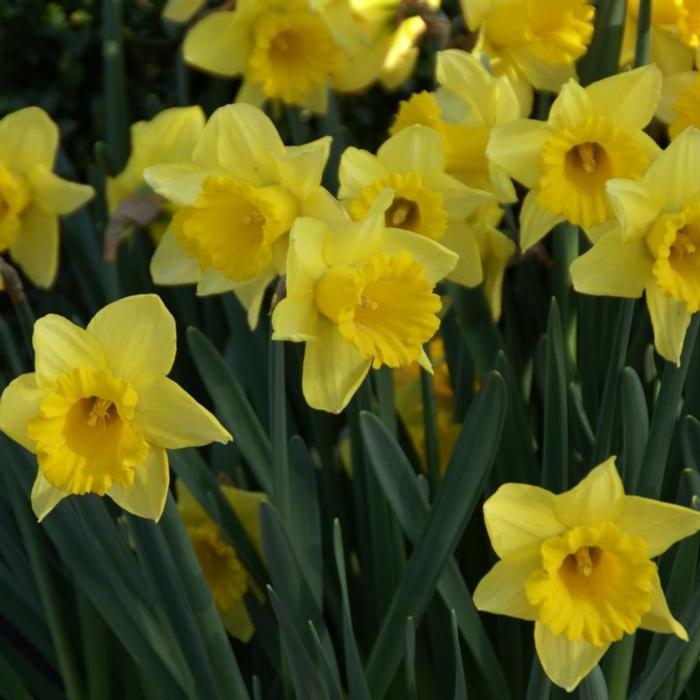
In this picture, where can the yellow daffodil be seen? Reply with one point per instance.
(237, 199)
(170, 137)
(593, 134)
(378, 41)
(680, 102)
(579, 565)
(536, 43)
(427, 201)
(99, 411)
(182, 10)
(31, 196)
(283, 49)
(360, 295)
(468, 105)
(227, 578)
(655, 247)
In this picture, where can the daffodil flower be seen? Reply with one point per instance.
(99, 411)
(655, 247)
(536, 43)
(593, 135)
(426, 201)
(236, 201)
(360, 295)
(469, 103)
(283, 49)
(227, 578)
(679, 106)
(31, 196)
(579, 564)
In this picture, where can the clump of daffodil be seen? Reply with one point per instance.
(99, 411)
(654, 249)
(593, 135)
(680, 102)
(170, 137)
(379, 42)
(579, 564)
(469, 103)
(228, 580)
(236, 201)
(536, 43)
(426, 200)
(359, 294)
(31, 196)
(283, 49)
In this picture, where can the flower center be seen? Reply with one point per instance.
(84, 435)
(687, 109)
(576, 163)
(386, 308)
(415, 207)
(293, 54)
(14, 197)
(595, 584)
(233, 226)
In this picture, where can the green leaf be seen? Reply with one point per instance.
(325, 663)
(603, 56)
(460, 680)
(635, 427)
(411, 688)
(539, 686)
(593, 686)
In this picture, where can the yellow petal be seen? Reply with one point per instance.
(214, 282)
(437, 260)
(36, 247)
(460, 239)
(630, 98)
(56, 195)
(189, 507)
(566, 663)
(219, 43)
(251, 93)
(670, 320)
(146, 496)
(237, 621)
(18, 405)
(475, 11)
(535, 221)
(659, 618)
(464, 74)
(516, 147)
(169, 417)
(672, 87)
(538, 74)
(613, 268)
(358, 169)
(28, 138)
(148, 349)
(345, 245)
(502, 590)
(251, 295)
(179, 183)
(333, 369)
(295, 319)
(45, 497)
(402, 53)
(596, 498)
(571, 107)
(171, 265)
(659, 524)
(670, 54)
(246, 506)
(416, 148)
(460, 201)
(305, 261)
(634, 206)
(61, 346)
(301, 167)
(519, 517)
(181, 10)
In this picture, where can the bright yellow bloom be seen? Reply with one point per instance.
(227, 578)
(655, 246)
(31, 196)
(426, 201)
(99, 412)
(237, 199)
(360, 295)
(283, 49)
(536, 43)
(468, 105)
(680, 102)
(593, 134)
(182, 10)
(579, 565)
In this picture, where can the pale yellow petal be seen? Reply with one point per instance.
(613, 268)
(673, 86)
(56, 195)
(402, 53)
(345, 245)
(516, 147)
(147, 494)
(36, 248)
(182, 10)
(137, 335)
(670, 54)
(171, 265)
(659, 524)
(464, 74)
(169, 417)
(28, 138)
(460, 239)
(519, 517)
(190, 509)
(44, 496)
(565, 663)
(18, 405)
(670, 320)
(237, 621)
(251, 295)
(416, 148)
(251, 93)
(475, 11)
(634, 206)
(437, 259)
(358, 169)
(571, 107)
(180, 183)
(219, 43)
(246, 506)
(659, 618)
(295, 318)
(460, 201)
(301, 167)
(214, 282)
(494, 267)
(535, 221)
(305, 261)
(540, 74)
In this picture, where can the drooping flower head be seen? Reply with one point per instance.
(427, 201)
(360, 295)
(468, 105)
(31, 196)
(227, 578)
(237, 199)
(593, 135)
(655, 247)
(579, 564)
(99, 411)
(283, 49)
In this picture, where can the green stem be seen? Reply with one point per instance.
(278, 426)
(565, 242)
(642, 49)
